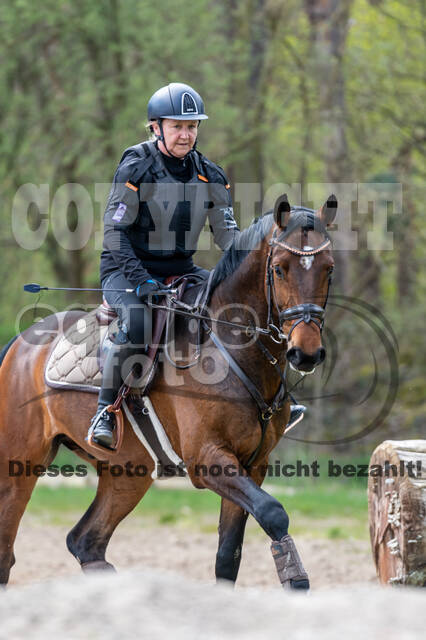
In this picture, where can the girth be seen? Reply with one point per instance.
(266, 411)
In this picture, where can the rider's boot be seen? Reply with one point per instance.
(297, 413)
(103, 422)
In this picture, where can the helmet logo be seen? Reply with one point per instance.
(188, 104)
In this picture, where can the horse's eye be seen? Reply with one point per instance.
(278, 271)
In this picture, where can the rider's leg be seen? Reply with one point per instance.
(135, 332)
(112, 376)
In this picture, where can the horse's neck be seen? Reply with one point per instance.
(244, 289)
(241, 298)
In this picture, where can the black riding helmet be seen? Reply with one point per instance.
(176, 101)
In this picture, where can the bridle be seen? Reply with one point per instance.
(306, 312)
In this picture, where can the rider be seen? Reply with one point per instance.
(151, 230)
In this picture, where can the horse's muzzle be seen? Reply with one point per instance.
(303, 361)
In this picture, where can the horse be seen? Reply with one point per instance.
(276, 274)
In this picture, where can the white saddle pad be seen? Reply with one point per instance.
(74, 361)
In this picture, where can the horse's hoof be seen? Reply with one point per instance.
(97, 565)
(301, 585)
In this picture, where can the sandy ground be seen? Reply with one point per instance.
(164, 588)
(158, 605)
(139, 543)
(41, 554)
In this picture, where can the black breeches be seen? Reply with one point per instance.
(134, 316)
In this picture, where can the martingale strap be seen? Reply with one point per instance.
(266, 411)
(251, 388)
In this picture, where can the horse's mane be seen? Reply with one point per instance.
(243, 244)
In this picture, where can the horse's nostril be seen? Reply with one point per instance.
(294, 355)
(302, 360)
(320, 355)
(291, 355)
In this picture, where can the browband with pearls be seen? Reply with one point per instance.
(301, 252)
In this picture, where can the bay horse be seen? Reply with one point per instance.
(278, 271)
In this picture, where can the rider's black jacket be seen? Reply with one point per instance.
(157, 209)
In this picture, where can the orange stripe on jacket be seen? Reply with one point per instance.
(131, 186)
(202, 178)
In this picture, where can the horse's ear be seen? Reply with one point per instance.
(328, 210)
(282, 211)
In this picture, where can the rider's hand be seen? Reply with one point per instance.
(146, 288)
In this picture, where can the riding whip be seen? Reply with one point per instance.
(32, 287)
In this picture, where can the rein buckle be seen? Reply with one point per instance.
(267, 415)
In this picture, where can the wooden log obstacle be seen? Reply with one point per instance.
(397, 511)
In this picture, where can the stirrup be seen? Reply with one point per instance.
(119, 430)
(297, 413)
(103, 428)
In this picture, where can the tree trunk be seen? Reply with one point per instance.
(406, 274)
(329, 20)
(248, 24)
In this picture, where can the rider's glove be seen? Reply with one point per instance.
(143, 290)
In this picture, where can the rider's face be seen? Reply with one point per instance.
(180, 136)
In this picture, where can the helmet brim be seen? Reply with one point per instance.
(189, 116)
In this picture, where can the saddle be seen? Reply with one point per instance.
(76, 359)
(76, 362)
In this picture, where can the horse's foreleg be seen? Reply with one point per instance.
(15, 492)
(269, 513)
(17, 484)
(114, 500)
(231, 532)
(14, 496)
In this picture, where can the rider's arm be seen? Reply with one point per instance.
(221, 215)
(120, 214)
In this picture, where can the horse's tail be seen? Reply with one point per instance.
(6, 348)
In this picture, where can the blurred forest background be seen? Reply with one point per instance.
(297, 92)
